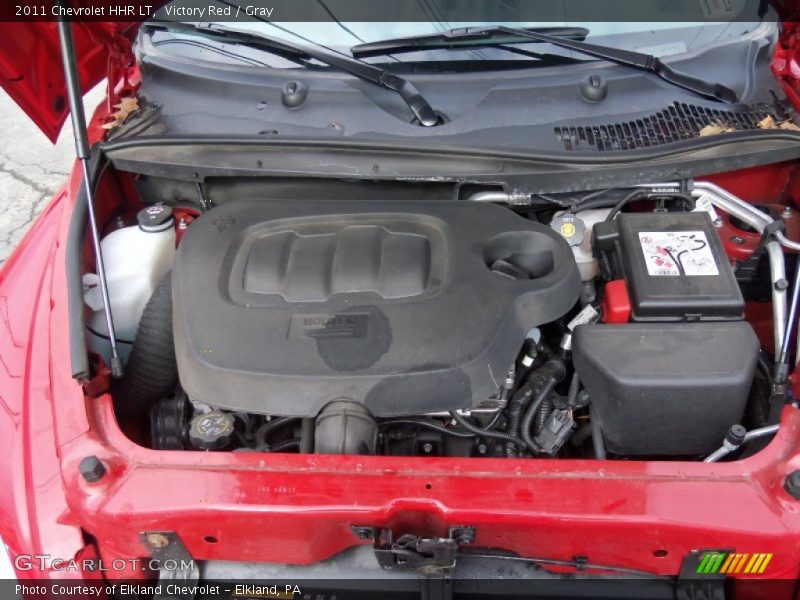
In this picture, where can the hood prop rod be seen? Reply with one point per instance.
(82, 150)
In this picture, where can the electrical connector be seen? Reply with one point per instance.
(556, 431)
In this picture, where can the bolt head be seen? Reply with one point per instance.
(787, 212)
(792, 484)
(736, 435)
(781, 285)
(157, 540)
(363, 533)
(92, 469)
(463, 535)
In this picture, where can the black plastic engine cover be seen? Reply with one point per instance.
(666, 388)
(281, 307)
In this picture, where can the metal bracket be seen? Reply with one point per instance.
(412, 553)
(168, 549)
(430, 556)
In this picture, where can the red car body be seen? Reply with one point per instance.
(301, 508)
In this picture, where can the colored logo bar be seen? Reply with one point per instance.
(729, 563)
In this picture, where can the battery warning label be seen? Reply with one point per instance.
(676, 253)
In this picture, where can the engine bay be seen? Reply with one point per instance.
(608, 324)
(325, 301)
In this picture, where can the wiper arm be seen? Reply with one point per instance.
(491, 36)
(415, 101)
(463, 37)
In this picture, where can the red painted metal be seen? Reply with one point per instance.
(740, 242)
(786, 60)
(616, 307)
(772, 186)
(767, 183)
(32, 74)
(299, 508)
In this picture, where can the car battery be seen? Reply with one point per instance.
(674, 265)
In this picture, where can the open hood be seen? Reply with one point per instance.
(31, 69)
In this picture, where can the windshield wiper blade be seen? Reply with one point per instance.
(490, 36)
(415, 101)
(460, 38)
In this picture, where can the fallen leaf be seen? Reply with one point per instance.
(126, 106)
(767, 123)
(770, 123)
(714, 129)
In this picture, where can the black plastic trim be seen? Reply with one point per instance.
(79, 359)
(532, 172)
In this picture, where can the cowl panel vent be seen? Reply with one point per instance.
(680, 121)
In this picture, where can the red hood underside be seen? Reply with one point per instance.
(31, 70)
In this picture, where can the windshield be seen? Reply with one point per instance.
(662, 39)
(671, 36)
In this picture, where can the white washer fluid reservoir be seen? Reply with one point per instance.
(135, 259)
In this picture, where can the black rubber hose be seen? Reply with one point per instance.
(544, 413)
(486, 433)
(518, 402)
(593, 200)
(574, 388)
(494, 420)
(151, 373)
(561, 202)
(270, 426)
(552, 368)
(689, 202)
(530, 413)
(433, 426)
(606, 271)
(428, 425)
(764, 366)
(598, 200)
(286, 445)
(634, 195)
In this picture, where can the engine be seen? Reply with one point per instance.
(455, 328)
(283, 308)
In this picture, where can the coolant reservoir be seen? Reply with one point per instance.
(135, 259)
(577, 230)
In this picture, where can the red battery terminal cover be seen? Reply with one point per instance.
(616, 307)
